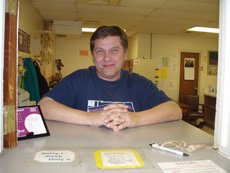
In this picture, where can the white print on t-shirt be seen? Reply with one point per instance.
(97, 105)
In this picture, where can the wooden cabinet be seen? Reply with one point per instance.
(209, 110)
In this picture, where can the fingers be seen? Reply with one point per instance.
(116, 105)
(119, 127)
(115, 116)
(129, 120)
(123, 121)
(114, 112)
(114, 123)
(111, 113)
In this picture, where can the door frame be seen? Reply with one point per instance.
(2, 34)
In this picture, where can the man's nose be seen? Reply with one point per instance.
(107, 56)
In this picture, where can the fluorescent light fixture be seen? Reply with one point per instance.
(88, 29)
(91, 29)
(204, 29)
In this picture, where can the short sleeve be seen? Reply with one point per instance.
(63, 92)
(149, 95)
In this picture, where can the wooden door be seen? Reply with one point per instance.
(189, 68)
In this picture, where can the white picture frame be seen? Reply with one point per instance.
(2, 31)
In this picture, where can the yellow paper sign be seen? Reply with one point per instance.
(118, 159)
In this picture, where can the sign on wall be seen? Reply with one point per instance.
(189, 69)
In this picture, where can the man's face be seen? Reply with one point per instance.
(108, 57)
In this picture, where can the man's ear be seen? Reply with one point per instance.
(92, 57)
(126, 55)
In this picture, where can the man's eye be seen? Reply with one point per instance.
(99, 52)
(114, 51)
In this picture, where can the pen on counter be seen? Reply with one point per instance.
(157, 146)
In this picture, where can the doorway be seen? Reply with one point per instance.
(189, 68)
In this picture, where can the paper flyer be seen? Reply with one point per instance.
(194, 166)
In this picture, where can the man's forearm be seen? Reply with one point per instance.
(53, 110)
(167, 111)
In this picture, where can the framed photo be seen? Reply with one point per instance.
(212, 62)
(23, 41)
(31, 123)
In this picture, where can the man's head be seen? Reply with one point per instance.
(108, 46)
(104, 31)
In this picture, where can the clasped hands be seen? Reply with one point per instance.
(114, 116)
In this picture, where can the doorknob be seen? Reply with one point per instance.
(195, 89)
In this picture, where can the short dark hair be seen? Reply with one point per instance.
(104, 31)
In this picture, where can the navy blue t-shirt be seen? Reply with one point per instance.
(84, 90)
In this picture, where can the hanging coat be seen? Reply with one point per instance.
(31, 80)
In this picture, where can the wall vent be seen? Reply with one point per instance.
(67, 27)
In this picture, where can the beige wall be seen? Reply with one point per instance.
(67, 49)
(133, 43)
(31, 22)
(147, 49)
(170, 47)
(162, 46)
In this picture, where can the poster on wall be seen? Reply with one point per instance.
(165, 61)
(189, 69)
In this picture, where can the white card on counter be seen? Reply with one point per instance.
(55, 156)
(194, 166)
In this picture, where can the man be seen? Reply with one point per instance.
(106, 95)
